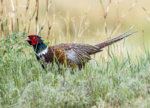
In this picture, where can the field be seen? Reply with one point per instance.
(117, 77)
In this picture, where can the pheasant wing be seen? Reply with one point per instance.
(77, 53)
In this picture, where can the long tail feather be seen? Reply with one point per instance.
(118, 38)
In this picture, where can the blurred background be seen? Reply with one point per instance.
(80, 21)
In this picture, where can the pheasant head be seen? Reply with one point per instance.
(36, 42)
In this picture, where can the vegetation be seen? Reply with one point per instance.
(118, 82)
(117, 78)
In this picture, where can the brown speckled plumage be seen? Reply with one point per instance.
(74, 55)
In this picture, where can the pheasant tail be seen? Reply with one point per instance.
(111, 41)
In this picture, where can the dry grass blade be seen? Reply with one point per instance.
(143, 40)
(1, 18)
(46, 18)
(26, 11)
(12, 17)
(36, 17)
(145, 10)
(1, 8)
(17, 17)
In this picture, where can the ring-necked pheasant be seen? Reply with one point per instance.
(73, 54)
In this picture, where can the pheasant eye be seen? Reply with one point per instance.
(34, 37)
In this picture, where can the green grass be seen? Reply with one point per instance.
(119, 82)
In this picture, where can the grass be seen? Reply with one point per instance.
(112, 80)
(118, 82)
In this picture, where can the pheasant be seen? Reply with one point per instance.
(72, 54)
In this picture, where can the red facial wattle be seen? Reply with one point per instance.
(33, 39)
(34, 42)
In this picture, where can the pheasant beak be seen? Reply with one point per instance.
(27, 39)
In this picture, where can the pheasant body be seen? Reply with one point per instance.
(72, 55)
